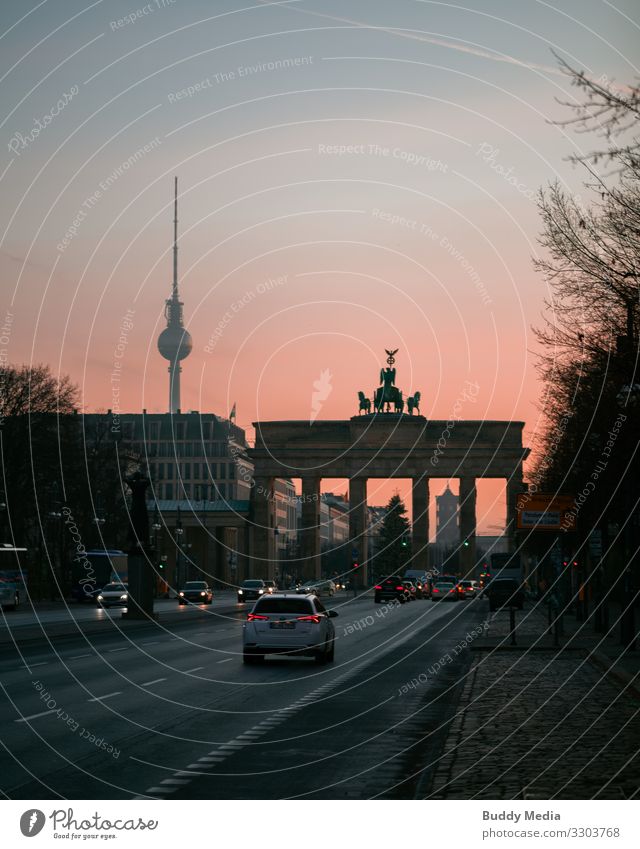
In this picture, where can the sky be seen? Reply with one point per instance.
(353, 176)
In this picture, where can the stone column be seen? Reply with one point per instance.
(358, 529)
(467, 502)
(515, 486)
(263, 512)
(420, 528)
(310, 528)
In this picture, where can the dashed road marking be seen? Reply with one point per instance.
(34, 716)
(155, 681)
(107, 696)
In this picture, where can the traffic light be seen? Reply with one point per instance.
(403, 541)
(466, 543)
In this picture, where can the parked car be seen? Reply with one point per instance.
(287, 623)
(113, 595)
(443, 591)
(251, 590)
(505, 592)
(468, 589)
(390, 589)
(195, 592)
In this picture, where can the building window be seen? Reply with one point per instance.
(232, 471)
(160, 471)
(222, 490)
(153, 429)
(187, 471)
(168, 491)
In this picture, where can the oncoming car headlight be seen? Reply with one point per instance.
(203, 593)
(123, 597)
(100, 598)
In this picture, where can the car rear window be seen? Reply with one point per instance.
(284, 605)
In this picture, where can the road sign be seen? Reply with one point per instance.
(545, 512)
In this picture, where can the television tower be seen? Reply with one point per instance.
(174, 343)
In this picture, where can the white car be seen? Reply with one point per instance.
(113, 594)
(288, 623)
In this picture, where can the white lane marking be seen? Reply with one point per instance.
(174, 781)
(124, 648)
(107, 696)
(158, 790)
(155, 681)
(196, 669)
(34, 716)
(78, 656)
(33, 665)
(227, 660)
(150, 643)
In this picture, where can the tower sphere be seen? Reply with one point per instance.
(175, 343)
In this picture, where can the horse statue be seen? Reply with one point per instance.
(365, 403)
(399, 403)
(413, 403)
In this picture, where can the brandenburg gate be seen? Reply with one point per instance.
(385, 442)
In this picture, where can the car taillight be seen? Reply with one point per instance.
(315, 619)
(434, 590)
(253, 616)
(399, 589)
(377, 588)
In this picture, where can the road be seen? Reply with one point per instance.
(173, 712)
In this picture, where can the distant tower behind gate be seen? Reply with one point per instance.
(174, 343)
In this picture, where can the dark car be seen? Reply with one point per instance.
(505, 592)
(195, 592)
(251, 590)
(412, 590)
(391, 589)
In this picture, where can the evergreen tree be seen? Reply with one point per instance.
(395, 539)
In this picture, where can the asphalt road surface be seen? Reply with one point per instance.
(172, 712)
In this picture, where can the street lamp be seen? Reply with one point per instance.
(179, 534)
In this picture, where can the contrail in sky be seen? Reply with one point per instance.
(414, 36)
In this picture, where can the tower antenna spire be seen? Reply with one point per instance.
(174, 343)
(175, 239)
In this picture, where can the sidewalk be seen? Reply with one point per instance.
(539, 721)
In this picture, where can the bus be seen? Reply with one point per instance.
(13, 579)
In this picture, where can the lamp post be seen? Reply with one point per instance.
(156, 527)
(179, 535)
(276, 534)
(628, 398)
